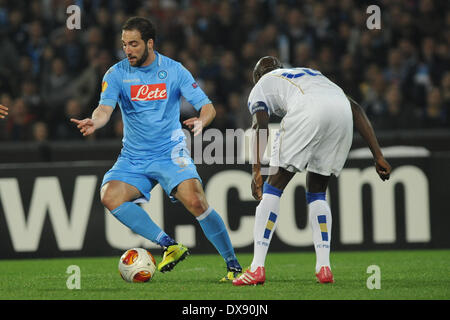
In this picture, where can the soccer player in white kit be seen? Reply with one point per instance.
(315, 135)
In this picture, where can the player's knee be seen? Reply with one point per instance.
(109, 199)
(316, 182)
(197, 204)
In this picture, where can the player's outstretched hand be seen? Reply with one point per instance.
(3, 111)
(86, 126)
(195, 124)
(257, 183)
(383, 168)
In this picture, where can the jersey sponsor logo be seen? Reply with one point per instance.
(104, 85)
(148, 92)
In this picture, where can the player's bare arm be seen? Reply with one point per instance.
(3, 111)
(207, 115)
(364, 127)
(100, 117)
(261, 127)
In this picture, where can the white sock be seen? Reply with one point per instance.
(266, 218)
(320, 220)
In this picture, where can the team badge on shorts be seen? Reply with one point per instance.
(162, 74)
(181, 162)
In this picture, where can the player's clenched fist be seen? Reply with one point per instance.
(86, 126)
(383, 168)
(3, 111)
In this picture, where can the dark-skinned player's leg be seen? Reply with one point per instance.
(280, 179)
(266, 218)
(320, 221)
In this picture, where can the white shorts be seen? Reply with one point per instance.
(315, 135)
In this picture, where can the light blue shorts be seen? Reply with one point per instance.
(145, 174)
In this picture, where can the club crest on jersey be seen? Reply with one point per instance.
(148, 92)
(162, 74)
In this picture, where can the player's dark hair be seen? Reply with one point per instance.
(143, 25)
(264, 65)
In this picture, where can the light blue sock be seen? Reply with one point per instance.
(214, 229)
(135, 218)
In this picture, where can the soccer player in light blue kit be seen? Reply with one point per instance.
(148, 87)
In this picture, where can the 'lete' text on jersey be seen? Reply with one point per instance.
(149, 98)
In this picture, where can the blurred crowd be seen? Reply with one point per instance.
(400, 73)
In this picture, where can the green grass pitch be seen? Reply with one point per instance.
(413, 274)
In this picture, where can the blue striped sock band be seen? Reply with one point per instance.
(267, 188)
(311, 196)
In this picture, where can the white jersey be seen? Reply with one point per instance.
(281, 89)
(316, 131)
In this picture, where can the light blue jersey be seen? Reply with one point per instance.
(149, 98)
(154, 149)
